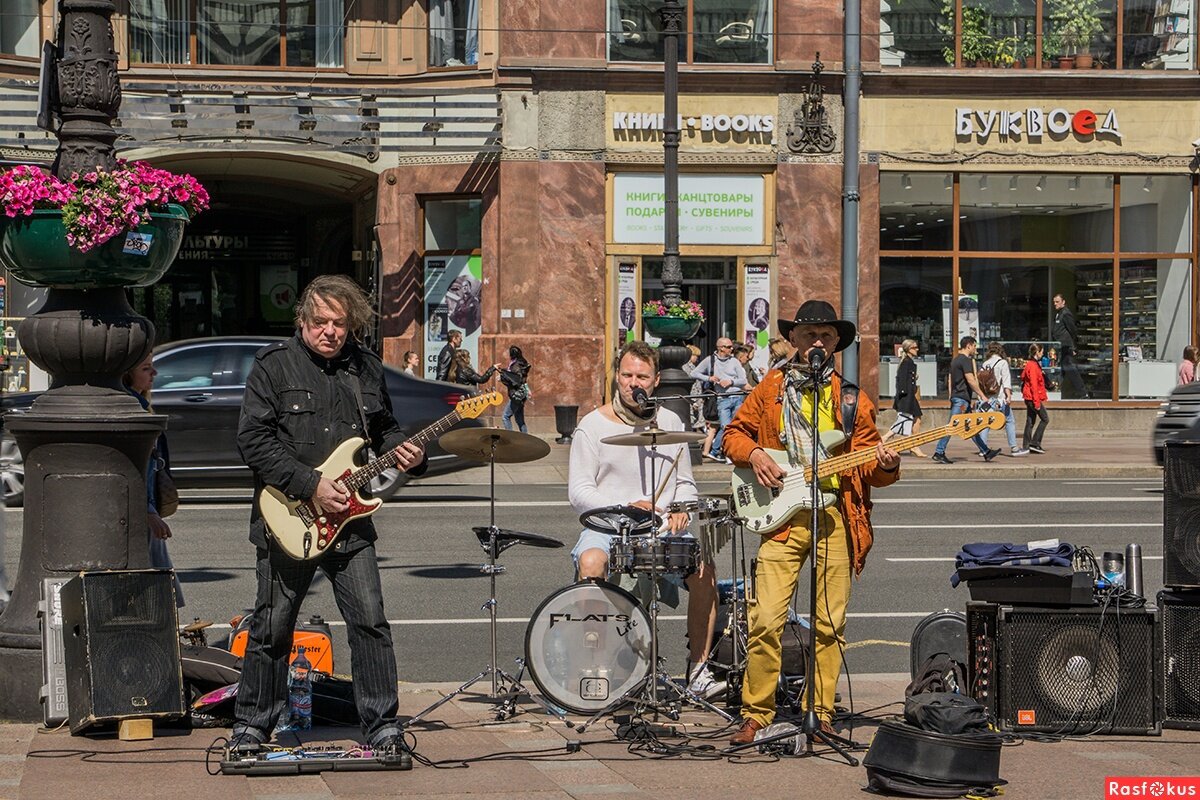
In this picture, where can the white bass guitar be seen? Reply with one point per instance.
(767, 510)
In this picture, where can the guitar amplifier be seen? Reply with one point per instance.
(1066, 671)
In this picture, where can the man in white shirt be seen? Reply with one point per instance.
(605, 475)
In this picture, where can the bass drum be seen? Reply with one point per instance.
(587, 645)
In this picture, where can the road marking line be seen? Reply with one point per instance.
(942, 500)
(870, 642)
(1036, 525)
(337, 623)
(923, 559)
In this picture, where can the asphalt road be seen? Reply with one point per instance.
(433, 587)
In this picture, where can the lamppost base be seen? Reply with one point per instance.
(20, 683)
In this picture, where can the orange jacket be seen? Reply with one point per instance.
(757, 425)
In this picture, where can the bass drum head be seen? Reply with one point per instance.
(587, 645)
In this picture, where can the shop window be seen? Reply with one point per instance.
(918, 211)
(259, 33)
(19, 33)
(453, 33)
(1156, 214)
(714, 31)
(1075, 34)
(1042, 213)
(453, 225)
(1155, 325)
(915, 303)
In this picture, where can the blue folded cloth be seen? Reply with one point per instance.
(996, 554)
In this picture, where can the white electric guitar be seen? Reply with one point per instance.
(768, 510)
(303, 531)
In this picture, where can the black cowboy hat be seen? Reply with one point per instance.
(818, 312)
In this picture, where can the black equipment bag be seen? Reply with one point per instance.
(946, 712)
(940, 632)
(938, 673)
(926, 764)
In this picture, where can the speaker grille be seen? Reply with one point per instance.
(1077, 671)
(1181, 514)
(1181, 659)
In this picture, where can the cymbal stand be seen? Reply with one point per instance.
(739, 608)
(512, 686)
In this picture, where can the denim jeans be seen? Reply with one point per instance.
(957, 406)
(517, 410)
(1010, 426)
(727, 406)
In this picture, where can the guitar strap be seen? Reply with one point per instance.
(362, 411)
(849, 408)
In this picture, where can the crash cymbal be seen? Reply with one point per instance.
(653, 436)
(196, 625)
(511, 447)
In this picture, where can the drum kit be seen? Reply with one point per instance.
(592, 647)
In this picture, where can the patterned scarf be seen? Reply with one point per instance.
(634, 416)
(797, 432)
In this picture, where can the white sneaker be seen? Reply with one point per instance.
(703, 684)
(1017, 452)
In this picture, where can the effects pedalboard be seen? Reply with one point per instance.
(313, 758)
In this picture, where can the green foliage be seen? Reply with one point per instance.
(1076, 22)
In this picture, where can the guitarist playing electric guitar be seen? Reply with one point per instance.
(776, 416)
(305, 397)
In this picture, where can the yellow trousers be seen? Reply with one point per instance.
(779, 565)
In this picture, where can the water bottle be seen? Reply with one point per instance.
(300, 692)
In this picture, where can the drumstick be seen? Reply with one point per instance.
(667, 477)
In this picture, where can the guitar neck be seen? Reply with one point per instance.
(375, 467)
(838, 464)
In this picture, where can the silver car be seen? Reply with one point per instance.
(1178, 416)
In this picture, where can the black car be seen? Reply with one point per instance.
(1178, 417)
(199, 387)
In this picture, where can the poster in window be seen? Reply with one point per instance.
(453, 302)
(627, 303)
(968, 318)
(756, 311)
(277, 292)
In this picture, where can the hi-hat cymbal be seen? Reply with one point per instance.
(510, 447)
(654, 436)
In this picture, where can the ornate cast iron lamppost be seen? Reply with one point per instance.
(86, 441)
(673, 353)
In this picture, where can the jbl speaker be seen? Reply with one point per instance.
(1180, 613)
(121, 646)
(1181, 514)
(1066, 671)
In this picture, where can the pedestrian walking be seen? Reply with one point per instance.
(728, 378)
(998, 388)
(411, 362)
(1187, 367)
(963, 387)
(907, 397)
(1033, 390)
(465, 374)
(744, 353)
(445, 359)
(516, 377)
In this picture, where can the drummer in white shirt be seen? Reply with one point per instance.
(606, 475)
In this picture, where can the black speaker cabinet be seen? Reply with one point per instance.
(1066, 671)
(121, 646)
(1180, 612)
(1181, 514)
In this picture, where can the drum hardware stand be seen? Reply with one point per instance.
(513, 685)
(810, 726)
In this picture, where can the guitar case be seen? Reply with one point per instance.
(907, 760)
(940, 632)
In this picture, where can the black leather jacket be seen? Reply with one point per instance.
(444, 363)
(298, 407)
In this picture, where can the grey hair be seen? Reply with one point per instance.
(341, 290)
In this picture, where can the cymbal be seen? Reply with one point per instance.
(511, 447)
(505, 536)
(196, 625)
(653, 436)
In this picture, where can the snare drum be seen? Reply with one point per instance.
(713, 530)
(587, 645)
(666, 555)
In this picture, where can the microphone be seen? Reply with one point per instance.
(641, 398)
(816, 358)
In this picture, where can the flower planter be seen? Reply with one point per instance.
(34, 250)
(670, 327)
(1083, 61)
(1066, 62)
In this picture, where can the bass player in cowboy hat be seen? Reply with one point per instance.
(777, 415)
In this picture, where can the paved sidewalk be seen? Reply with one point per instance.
(527, 758)
(1068, 455)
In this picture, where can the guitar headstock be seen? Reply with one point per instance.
(965, 425)
(472, 407)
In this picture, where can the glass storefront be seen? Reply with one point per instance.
(985, 253)
(716, 31)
